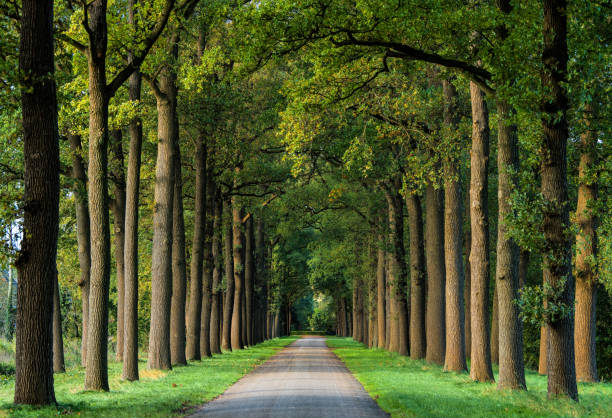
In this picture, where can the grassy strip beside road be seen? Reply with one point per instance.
(157, 394)
(406, 388)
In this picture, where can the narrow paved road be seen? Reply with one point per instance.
(304, 380)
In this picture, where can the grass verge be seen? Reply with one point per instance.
(408, 388)
(157, 394)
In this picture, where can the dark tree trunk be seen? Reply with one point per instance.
(118, 208)
(228, 303)
(380, 283)
(36, 261)
(96, 370)
(557, 256)
(83, 238)
(238, 244)
(179, 273)
(216, 290)
(481, 369)
(197, 254)
(161, 267)
(454, 358)
(130, 321)
(58, 340)
(248, 281)
(586, 251)
(418, 283)
(397, 269)
(434, 254)
(207, 278)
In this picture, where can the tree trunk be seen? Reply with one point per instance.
(434, 254)
(260, 278)
(228, 303)
(418, 283)
(397, 268)
(83, 237)
(389, 302)
(557, 256)
(495, 329)
(197, 254)
(248, 281)
(356, 325)
(96, 370)
(467, 293)
(586, 251)
(58, 341)
(481, 369)
(179, 273)
(238, 243)
(36, 260)
(118, 209)
(454, 358)
(208, 273)
(161, 267)
(542, 366)
(216, 290)
(130, 320)
(510, 327)
(380, 282)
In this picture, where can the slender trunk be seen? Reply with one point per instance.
(510, 327)
(228, 303)
(542, 367)
(389, 302)
(96, 370)
(248, 281)
(238, 243)
(434, 255)
(467, 293)
(557, 255)
(397, 267)
(58, 341)
(418, 283)
(207, 278)
(586, 251)
(380, 282)
(260, 278)
(481, 369)
(454, 358)
(118, 209)
(179, 273)
(197, 254)
(216, 290)
(495, 329)
(130, 320)
(83, 237)
(161, 267)
(36, 261)
(356, 328)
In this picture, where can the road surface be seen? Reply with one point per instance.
(304, 380)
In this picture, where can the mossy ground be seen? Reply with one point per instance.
(409, 388)
(157, 394)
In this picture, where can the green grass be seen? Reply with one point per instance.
(157, 394)
(406, 388)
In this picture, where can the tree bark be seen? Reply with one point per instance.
(36, 261)
(130, 321)
(467, 293)
(118, 209)
(58, 341)
(216, 290)
(495, 329)
(228, 303)
(481, 369)
(179, 273)
(248, 281)
(454, 358)
(208, 272)
(434, 255)
(557, 256)
(380, 283)
(197, 254)
(586, 252)
(238, 243)
(161, 267)
(418, 283)
(83, 237)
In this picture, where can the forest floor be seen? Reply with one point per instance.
(157, 394)
(406, 388)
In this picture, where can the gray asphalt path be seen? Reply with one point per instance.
(304, 380)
